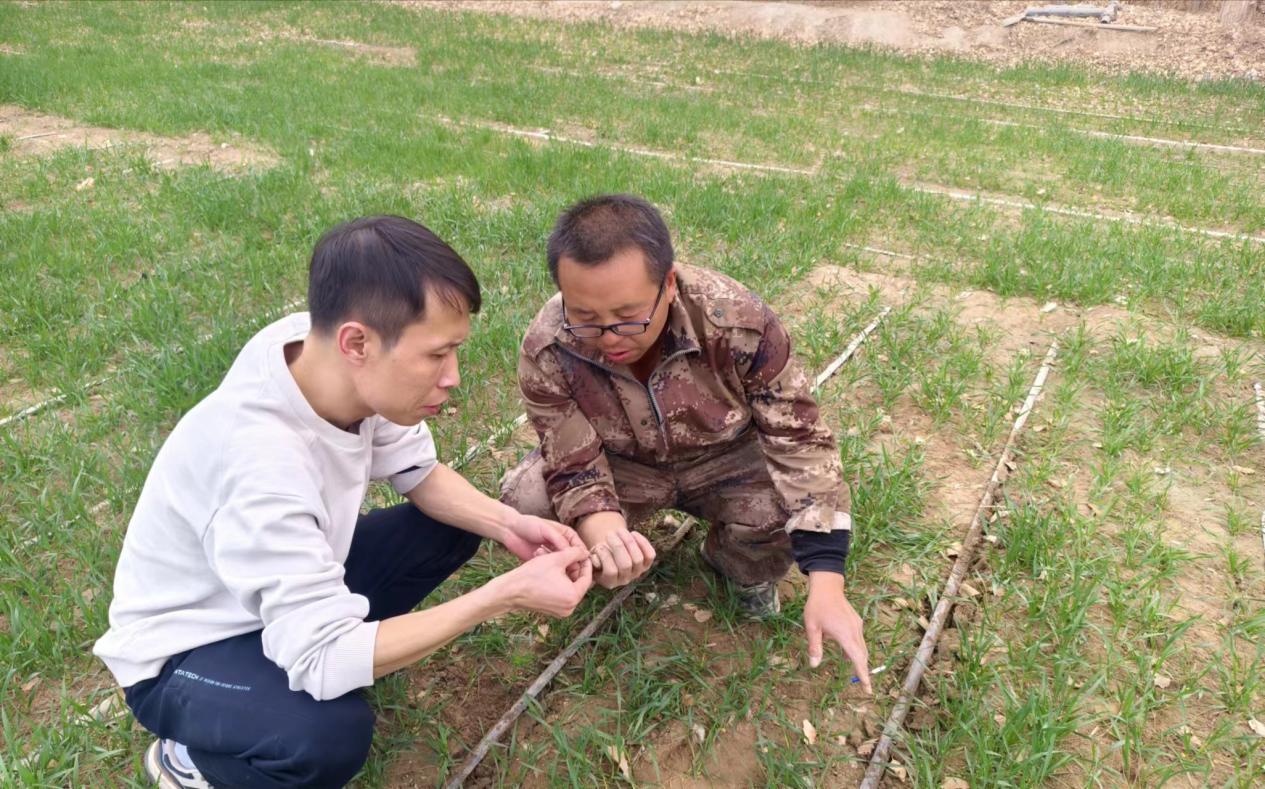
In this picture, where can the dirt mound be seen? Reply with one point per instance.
(37, 134)
(1192, 45)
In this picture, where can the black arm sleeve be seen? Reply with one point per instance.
(820, 550)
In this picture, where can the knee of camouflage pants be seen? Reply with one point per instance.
(747, 542)
(748, 554)
(523, 487)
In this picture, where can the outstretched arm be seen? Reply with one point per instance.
(449, 498)
(542, 584)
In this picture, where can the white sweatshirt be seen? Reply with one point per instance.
(244, 524)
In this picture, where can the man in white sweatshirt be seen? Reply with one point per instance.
(251, 599)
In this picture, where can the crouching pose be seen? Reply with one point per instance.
(252, 600)
(654, 385)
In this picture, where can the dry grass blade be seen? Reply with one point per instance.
(1260, 408)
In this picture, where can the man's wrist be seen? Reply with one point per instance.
(503, 523)
(496, 597)
(825, 580)
(591, 533)
(593, 527)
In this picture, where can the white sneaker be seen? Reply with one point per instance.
(166, 762)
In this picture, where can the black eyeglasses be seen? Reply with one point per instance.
(591, 331)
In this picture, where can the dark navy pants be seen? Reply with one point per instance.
(233, 707)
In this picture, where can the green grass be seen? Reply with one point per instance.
(156, 278)
(1090, 615)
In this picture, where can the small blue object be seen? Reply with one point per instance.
(878, 670)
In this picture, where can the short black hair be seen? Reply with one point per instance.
(378, 270)
(596, 229)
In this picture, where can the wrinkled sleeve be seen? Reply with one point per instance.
(576, 471)
(800, 450)
(268, 550)
(403, 455)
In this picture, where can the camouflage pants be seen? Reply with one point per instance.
(747, 541)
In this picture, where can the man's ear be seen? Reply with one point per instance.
(669, 284)
(353, 342)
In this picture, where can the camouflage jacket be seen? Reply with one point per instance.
(726, 368)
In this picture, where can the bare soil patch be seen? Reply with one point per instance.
(675, 757)
(15, 391)
(44, 699)
(1098, 209)
(39, 134)
(373, 53)
(1187, 44)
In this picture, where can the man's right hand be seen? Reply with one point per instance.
(543, 584)
(619, 556)
(553, 583)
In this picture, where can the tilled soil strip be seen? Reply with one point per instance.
(1138, 139)
(548, 136)
(40, 134)
(1015, 105)
(1260, 427)
(1007, 202)
(1102, 135)
(931, 189)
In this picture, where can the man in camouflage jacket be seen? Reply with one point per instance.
(658, 385)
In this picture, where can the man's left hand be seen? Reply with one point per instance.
(828, 613)
(527, 536)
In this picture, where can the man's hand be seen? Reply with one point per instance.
(527, 536)
(829, 613)
(544, 585)
(619, 556)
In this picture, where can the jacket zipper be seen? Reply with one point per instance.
(654, 403)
